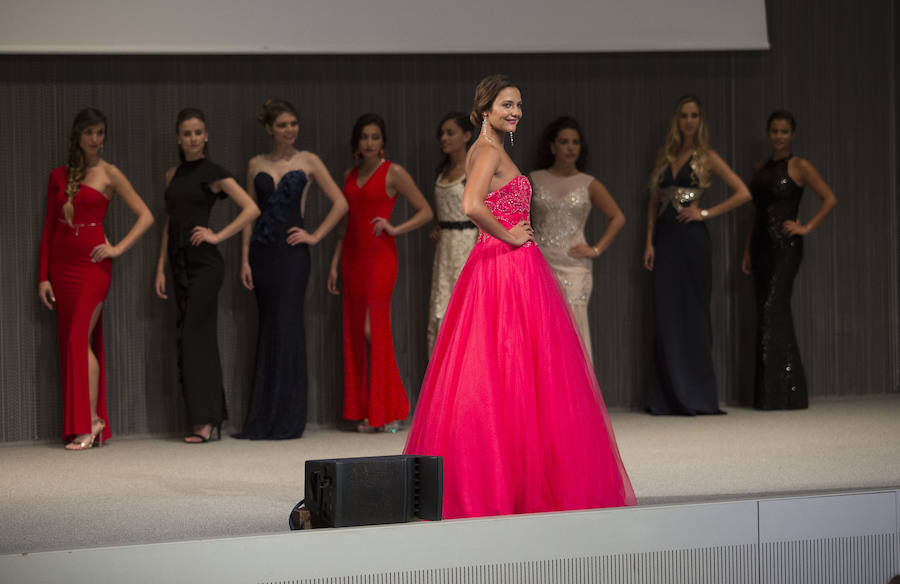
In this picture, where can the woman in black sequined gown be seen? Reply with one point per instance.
(772, 253)
(275, 264)
(679, 253)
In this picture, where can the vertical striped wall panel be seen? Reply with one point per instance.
(826, 63)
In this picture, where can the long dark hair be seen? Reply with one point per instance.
(545, 157)
(461, 120)
(190, 113)
(76, 165)
(363, 121)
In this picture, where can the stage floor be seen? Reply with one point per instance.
(149, 490)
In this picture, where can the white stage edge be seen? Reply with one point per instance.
(847, 538)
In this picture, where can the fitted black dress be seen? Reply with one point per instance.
(780, 380)
(277, 408)
(682, 380)
(197, 273)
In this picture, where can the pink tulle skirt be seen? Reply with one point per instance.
(510, 400)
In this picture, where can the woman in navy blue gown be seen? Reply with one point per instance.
(679, 253)
(275, 264)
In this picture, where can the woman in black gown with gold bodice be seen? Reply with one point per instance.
(275, 265)
(679, 253)
(773, 251)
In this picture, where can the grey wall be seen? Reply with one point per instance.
(830, 63)
(359, 27)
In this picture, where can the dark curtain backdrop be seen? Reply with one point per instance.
(830, 63)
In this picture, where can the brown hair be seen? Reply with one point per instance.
(668, 154)
(190, 113)
(76, 165)
(272, 108)
(485, 93)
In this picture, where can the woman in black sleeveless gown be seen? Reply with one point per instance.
(679, 253)
(275, 265)
(773, 251)
(197, 269)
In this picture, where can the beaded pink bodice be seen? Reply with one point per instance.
(510, 204)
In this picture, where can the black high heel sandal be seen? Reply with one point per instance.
(204, 439)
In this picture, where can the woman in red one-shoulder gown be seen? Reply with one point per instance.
(75, 267)
(373, 390)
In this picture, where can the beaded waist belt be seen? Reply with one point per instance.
(678, 197)
(76, 226)
(456, 225)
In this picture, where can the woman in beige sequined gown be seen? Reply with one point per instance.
(454, 233)
(563, 198)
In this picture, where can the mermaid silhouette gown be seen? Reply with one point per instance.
(79, 285)
(780, 379)
(510, 400)
(373, 389)
(682, 380)
(277, 408)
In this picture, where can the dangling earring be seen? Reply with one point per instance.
(356, 155)
(381, 154)
(484, 128)
(511, 141)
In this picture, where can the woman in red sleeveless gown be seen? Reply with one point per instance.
(75, 267)
(373, 390)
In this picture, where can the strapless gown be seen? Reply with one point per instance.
(510, 400)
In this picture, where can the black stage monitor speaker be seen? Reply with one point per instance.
(341, 492)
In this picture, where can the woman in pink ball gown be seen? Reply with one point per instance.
(510, 400)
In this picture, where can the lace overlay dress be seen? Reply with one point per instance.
(458, 235)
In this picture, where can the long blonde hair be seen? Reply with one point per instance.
(668, 154)
(77, 164)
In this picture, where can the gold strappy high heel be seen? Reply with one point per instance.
(95, 438)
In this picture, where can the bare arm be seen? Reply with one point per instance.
(160, 283)
(400, 181)
(335, 263)
(810, 176)
(249, 212)
(652, 212)
(247, 231)
(339, 206)
(122, 186)
(332, 282)
(484, 163)
(601, 199)
(746, 260)
(740, 196)
(45, 289)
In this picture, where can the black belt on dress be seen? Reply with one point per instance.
(456, 225)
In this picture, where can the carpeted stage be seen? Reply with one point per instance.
(148, 490)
